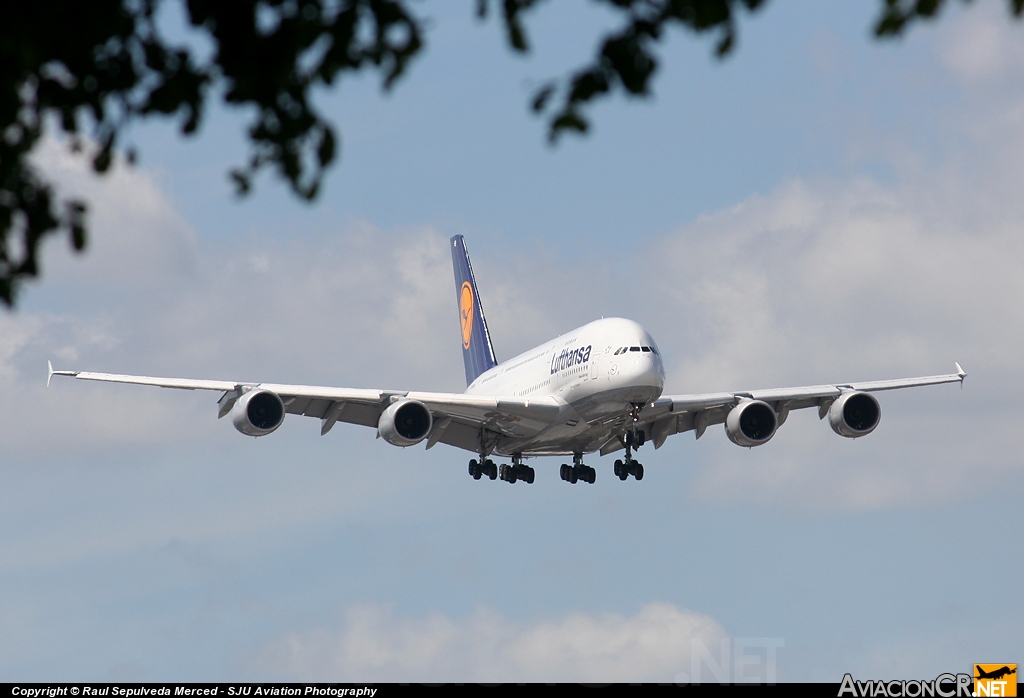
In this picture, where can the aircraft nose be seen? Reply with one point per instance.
(647, 366)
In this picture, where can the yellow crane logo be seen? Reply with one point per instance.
(466, 313)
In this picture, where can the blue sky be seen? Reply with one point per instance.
(817, 208)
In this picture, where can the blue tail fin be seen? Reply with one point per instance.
(477, 351)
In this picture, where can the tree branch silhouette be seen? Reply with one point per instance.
(95, 68)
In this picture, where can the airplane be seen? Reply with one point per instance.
(596, 389)
(996, 674)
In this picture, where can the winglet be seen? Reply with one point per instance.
(960, 372)
(50, 373)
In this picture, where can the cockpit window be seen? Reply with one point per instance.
(623, 350)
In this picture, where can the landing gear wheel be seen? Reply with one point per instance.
(638, 472)
(529, 476)
(474, 470)
(621, 470)
(573, 475)
(490, 469)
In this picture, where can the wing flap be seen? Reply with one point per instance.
(696, 403)
(460, 435)
(510, 416)
(316, 391)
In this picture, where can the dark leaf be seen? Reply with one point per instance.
(325, 153)
(567, 121)
(101, 163)
(541, 97)
(241, 180)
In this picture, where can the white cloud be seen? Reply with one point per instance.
(137, 237)
(815, 276)
(836, 282)
(982, 44)
(361, 306)
(374, 644)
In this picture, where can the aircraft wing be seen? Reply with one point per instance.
(457, 417)
(675, 414)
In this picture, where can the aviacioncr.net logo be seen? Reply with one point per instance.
(466, 313)
(943, 686)
(995, 680)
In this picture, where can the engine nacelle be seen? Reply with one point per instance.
(405, 423)
(257, 412)
(854, 414)
(751, 423)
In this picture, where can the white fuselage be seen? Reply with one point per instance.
(599, 371)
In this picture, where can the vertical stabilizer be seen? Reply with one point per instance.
(477, 351)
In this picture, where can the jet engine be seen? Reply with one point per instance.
(751, 423)
(405, 423)
(854, 414)
(257, 412)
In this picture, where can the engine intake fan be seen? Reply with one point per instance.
(405, 423)
(854, 414)
(751, 423)
(258, 412)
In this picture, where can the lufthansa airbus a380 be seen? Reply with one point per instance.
(595, 389)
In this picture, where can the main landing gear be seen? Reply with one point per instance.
(485, 467)
(577, 471)
(509, 473)
(517, 471)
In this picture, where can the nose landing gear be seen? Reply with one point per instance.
(630, 467)
(634, 437)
